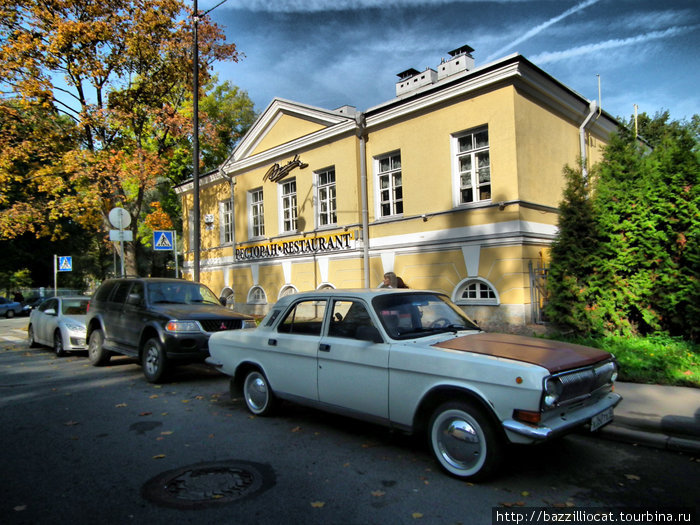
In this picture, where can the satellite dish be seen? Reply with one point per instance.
(119, 218)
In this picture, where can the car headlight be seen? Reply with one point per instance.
(249, 323)
(552, 391)
(182, 326)
(75, 327)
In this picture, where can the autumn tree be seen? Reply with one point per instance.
(121, 70)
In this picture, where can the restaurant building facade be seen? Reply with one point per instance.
(453, 185)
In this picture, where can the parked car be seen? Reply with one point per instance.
(161, 322)
(30, 304)
(9, 308)
(414, 361)
(59, 322)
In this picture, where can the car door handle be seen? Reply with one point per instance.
(272, 342)
(324, 347)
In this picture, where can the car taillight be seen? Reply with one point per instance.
(88, 307)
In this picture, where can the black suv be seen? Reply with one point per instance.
(159, 321)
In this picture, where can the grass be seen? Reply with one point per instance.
(657, 359)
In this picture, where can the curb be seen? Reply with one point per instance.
(650, 439)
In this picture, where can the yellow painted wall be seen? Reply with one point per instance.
(286, 129)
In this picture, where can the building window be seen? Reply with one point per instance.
(288, 205)
(475, 291)
(389, 185)
(225, 222)
(288, 289)
(256, 213)
(472, 166)
(325, 197)
(257, 295)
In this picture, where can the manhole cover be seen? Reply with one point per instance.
(208, 484)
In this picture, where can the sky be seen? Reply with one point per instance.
(332, 53)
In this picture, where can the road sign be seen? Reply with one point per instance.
(121, 235)
(65, 264)
(163, 240)
(119, 218)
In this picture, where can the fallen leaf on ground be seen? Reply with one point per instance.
(416, 515)
(20, 508)
(159, 456)
(317, 504)
(145, 414)
(120, 405)
(70, 423)
(632, 477)
(296, 429)
(378, 493)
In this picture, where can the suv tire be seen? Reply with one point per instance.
(154, 361)
(96, 352)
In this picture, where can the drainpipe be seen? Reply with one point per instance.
(360, 132)
(582, 136)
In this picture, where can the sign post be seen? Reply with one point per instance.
(120, 218)
(60, 264)
(166, 240)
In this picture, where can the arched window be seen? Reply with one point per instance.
(325, 286)
(288, 289)
(257, 295)
(228, 295)
(475, 290)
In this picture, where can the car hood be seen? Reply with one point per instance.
(555, 356)
(197, 311)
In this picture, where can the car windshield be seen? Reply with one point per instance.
(181, 293)
(420, 314)
(74, 306)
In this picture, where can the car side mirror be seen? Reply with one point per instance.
(368, 333)
(50, 311)
(133, 298)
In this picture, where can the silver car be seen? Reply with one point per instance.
(413, 361)
(59, 322)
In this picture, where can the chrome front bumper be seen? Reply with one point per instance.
(561, 424)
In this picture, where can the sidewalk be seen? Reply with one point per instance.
(658, 416)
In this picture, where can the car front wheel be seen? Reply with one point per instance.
(96, 353)
(463, 441)
(58, 344)
(259, 397)
(30, 337)
(10, 314)
(154, 361)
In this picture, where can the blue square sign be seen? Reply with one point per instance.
(163, 240)
(65, 263)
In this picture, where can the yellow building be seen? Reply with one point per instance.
(453, 185)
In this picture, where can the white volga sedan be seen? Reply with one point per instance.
(412, 360)
(59, 322)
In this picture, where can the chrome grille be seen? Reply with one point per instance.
(579, 384)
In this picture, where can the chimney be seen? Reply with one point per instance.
(412, 80)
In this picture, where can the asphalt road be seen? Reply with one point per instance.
(80, 444)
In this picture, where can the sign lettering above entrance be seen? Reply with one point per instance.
(277, 173)
(327, 243)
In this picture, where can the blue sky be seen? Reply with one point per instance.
(330, 53)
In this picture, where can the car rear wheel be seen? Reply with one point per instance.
(259, 397)
(96, 353)
(30, 337)
(58, 344)
(464, 441)
(154, 361)
(10, 314)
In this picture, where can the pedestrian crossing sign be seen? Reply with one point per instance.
(163, 240)
(65, 264)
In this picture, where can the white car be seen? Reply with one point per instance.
(412, 360)
(59, 322)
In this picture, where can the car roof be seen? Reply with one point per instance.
(364, 293)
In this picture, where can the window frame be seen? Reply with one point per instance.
(251, 299)
(391, 173)
(226, 222)
(459, 299)
(332, 202)
(288, 203)
(256, 232)
(473, 153)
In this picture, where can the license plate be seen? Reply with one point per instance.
(601, 419)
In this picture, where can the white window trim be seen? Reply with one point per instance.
(190, 233)
(456, 183)
(223, 222)
(280, 207)
(462, 285)
(317, 199)
(378, 190)
(285, 288)
(250, 299)
(325, 286)
(250, 213)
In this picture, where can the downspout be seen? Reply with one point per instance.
(582, 136)
(361, 129)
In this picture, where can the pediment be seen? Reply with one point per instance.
(285, 122)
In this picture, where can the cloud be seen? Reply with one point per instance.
(555, 56)
(317, 6)
(541, 27)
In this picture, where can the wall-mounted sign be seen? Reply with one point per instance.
(327, 243)
(277, 173)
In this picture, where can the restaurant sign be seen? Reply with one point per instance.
(310, 246)
(276, 172)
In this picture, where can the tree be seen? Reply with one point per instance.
(121, 70)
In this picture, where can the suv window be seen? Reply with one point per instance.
(121, 292)
(104, 291)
